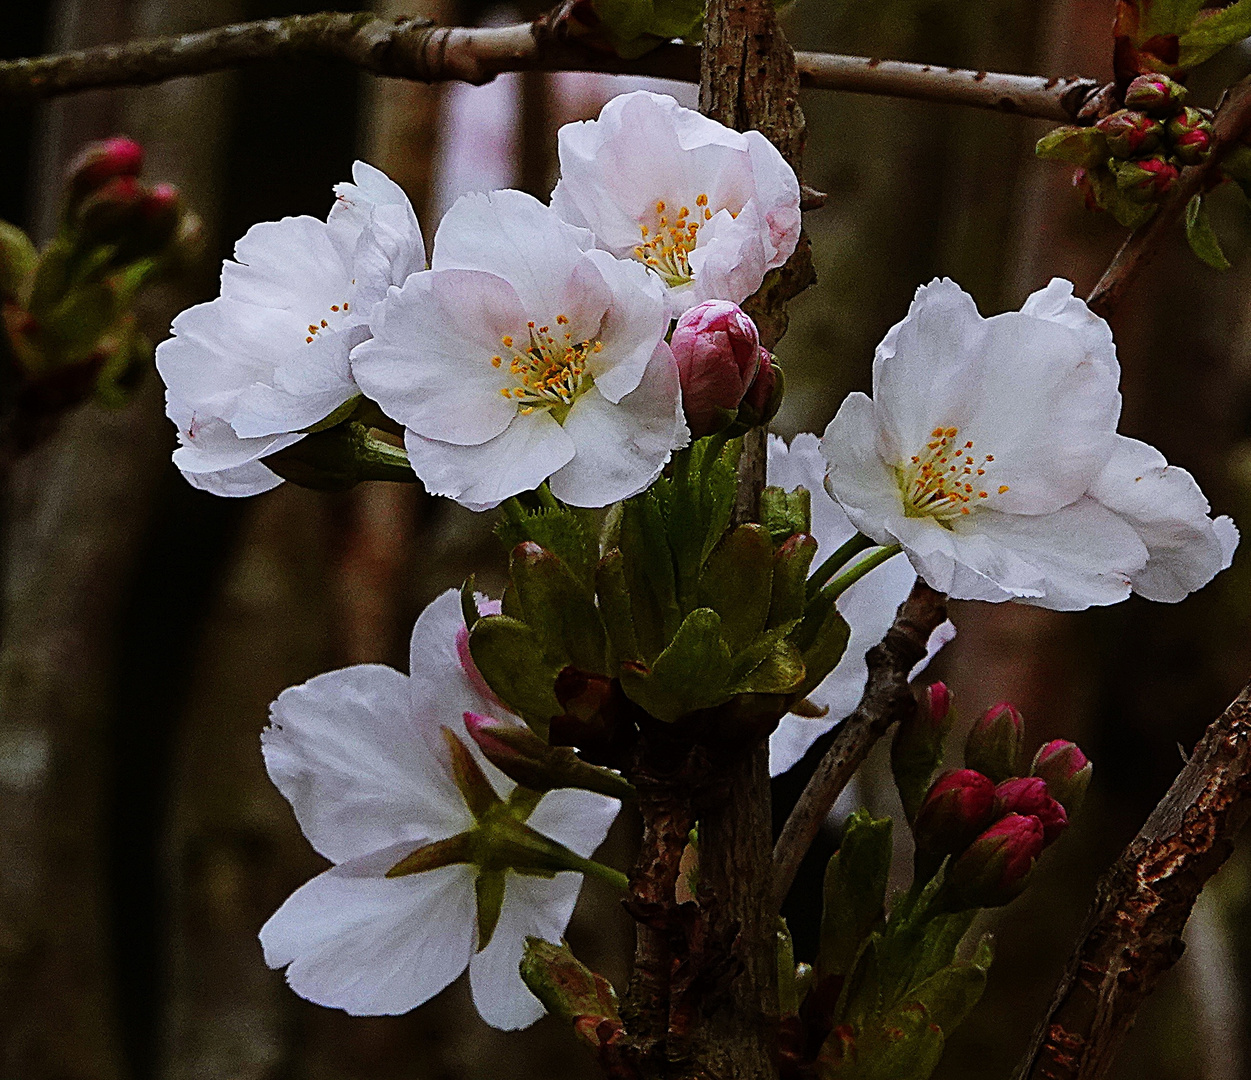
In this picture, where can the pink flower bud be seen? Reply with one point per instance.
(1066, 771)
(1145, 180)
(994, 745)
(764, 396)
(110, 211)
(717, 348)
(1129, 133)
(1028, 796)
(996, 866)
(1191, 133)
(1155, 94)
(936, 704)
(103, 161)
(917, 748)
(954, 811)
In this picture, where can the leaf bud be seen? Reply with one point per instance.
(956, 808)
(917, 748)
(1131, 134)
(101, 162)
(995, 868)
(1144, 180)
(1191, 134)
(717, 349)
(993, 745)
(1155, 94)
(1066, 771)
(1028, 796)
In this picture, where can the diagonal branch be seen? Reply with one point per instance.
(887, 698)
(415, 49)
(1233, 121)
(1133, 933)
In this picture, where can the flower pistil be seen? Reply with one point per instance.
(549, 371)
(944, 480)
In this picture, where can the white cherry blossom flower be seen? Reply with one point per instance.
(251, 372)
(710, 210)
(989, 452)
(365, 757)
(869, 605)
(524, 354)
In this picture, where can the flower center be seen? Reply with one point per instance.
(667, 243)
(944, 480)
(548, 371)
(316, 328)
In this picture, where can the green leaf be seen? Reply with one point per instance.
(1211, 32)
(558, 530)
(822, 639)
(791, 563)
(637, 26)
(788, 993)
(905, 1044)
(511, 658)
(692, 673)
(854, 892)
(557, 606)
(18, 259)
(939, 944)
(614, 607)
(786, 513)
(1085, 146)
(950, 994)
(1202, 236)
(737, 583)
(649, 573)
(719, 490)
(780, 670)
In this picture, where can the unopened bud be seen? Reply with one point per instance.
(764, 396)
(1145, 180)
(110, 212)
(917, 747)
(1067, 773)
(101, 162)
(953, 812)
(1028, 795)
(717, 349)
(1155, 94)
(995, 868)
(993, 746)
(1131, 134)
(1191, 134)
(522, 756)
(160, 209)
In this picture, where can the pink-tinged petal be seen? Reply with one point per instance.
(732, 257)
(776, 196)
(634, 321)
(208, 445)
(621, 448)
(356, 940)
(344, 749)
(525, 454)
(430, 364)
(1168, 511)
(578, 819)
(293, 265)
(533, 907)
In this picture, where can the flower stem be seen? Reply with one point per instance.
(380, 460)
(607, 874)
(835, 562)
(848, 578)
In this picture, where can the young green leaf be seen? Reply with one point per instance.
(1201, 235)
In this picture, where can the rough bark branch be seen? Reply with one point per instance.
(1133, 933)
(1233, 121)
(887, 698)
(415, 49)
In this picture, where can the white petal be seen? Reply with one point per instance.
(732, 257)
(776, 196)
(528, 451)
(1057, 302)
(857, 476)
(578, 819)
(633, 324)
(943, 634)
(1227, 534)
(801, 465)
(1164, 505)
(346, 752)
(215, 459)
(371, 945)
(253, 478)
(292, 264)
(533, 907)
(620, 449)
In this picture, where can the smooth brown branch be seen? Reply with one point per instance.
(1133, 933)
(1233, 121)
(887, 698)
(415, 49)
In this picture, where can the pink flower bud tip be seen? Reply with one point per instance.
(1066, 772)
(717, 349)
(996, 865)
(994, 744)
(1028, 796)
(1155, 94)
(957, 807)
(102, 161)
(936, 699)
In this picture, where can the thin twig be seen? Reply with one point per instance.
(1233, 120)
(1133, 933)
(887, 698)
(414, 49)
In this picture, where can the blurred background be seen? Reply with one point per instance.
(147, 626)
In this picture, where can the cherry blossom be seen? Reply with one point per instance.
(710, 210)
(387, 785)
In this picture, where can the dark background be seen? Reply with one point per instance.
(147, 626)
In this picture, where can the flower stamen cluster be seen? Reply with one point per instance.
(668, 251)
(548, 371)
(943, 479)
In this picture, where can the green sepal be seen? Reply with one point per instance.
(509, 655)
(649, 573)
(568, 988)
(556, 604)
(614, 605)
(785, 513)
(1084, 146)
(736, 583)
(561, 530)
(337, 416)
(791, 563)
(1201, 236)
(488, 889)
(18, 259)
(469, 778)
(821, 637)
(854, 892)
(693, 672)
(469, 603)
(455, 849)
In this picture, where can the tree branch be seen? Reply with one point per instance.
(887, 698)
(415, 49)
(1133, 933)
(1233, 120)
